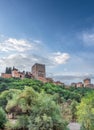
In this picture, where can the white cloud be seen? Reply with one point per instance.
(22, 54)
(23, 61)
(13, 44)
(60, 58)
(37, 41)
(88, 38)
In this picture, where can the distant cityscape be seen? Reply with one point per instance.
(38, 72)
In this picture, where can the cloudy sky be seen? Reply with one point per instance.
(57, 33)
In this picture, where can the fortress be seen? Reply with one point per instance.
(38, 72)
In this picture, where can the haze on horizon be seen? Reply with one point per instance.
(57, 33)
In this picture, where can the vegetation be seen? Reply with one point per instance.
(71, 93)
(8, 70)
(86, 112)
(2, 118)
(36, 111)
(73, 110)
(33, 105)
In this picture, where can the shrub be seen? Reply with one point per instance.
(86, 112)
(2, 118)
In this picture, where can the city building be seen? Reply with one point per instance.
(5, 75)
(38, 71)
(42, 79)
(90, 86)
(29, 75)
(79, 84)
(58, 83)
(49, 80)
(14, 74)
(87, 81)
(17, 74)
(73, 84)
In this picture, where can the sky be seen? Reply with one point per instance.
(57, 33)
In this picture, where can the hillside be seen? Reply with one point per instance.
(32, 104)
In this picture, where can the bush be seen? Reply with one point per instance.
(85, 112)
(2, 118)
(10, 125)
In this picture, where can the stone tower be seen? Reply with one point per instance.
(87, 81)
(38, 71)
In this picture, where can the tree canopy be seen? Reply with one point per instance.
(86, 112)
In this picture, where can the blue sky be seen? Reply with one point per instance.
(58, 33)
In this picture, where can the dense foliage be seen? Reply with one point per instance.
(44, 106)
(35, 111)
(86, 112)
(2, 118)
(66, 93)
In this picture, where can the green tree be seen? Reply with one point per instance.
(42, 111)
(85, 112)
(2, 118)
(22, 122)
(73, 108)
(7, 95)
(46, 114)
(8, 70)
